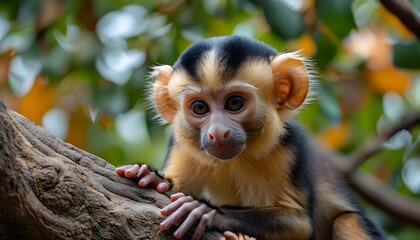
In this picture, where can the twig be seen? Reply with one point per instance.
(374, 145)
(385, 198)
(380, 195)
(405, 13)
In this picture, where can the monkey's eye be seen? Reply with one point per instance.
(199, 107)
(234, 103)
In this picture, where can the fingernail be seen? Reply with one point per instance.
(163, 226)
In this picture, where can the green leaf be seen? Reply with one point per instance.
(329, 104)
(337, 15)
(326, 49)
(364, 11)
(285, 21)
(407, 55)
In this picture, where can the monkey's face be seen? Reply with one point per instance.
(227, 97)
(219, 115)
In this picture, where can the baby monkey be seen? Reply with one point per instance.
(236, 162)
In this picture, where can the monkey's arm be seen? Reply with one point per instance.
(261, 223)
(272, 222)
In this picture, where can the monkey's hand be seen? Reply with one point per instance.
(146, 177)
(233, 236)
(192, 210)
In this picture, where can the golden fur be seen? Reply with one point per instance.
(260, 175)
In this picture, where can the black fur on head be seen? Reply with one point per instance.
(231, 52)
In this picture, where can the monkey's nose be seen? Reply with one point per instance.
(218, 135)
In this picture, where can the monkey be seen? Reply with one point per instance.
(237, 162)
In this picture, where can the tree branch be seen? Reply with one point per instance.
(386, 199)
(380, 195)
(403, 10)
(52, 190)
(374, 145)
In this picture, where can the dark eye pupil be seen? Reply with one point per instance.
(199, 108)
(235, 103)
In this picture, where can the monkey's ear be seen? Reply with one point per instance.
(165, 104)
(291, 80)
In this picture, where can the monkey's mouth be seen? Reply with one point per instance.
(225, 151)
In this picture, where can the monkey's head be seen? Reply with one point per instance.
(228, 97)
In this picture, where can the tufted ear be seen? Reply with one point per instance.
(291, 80)
(165, 104)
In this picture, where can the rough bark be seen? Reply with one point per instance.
(50, 189)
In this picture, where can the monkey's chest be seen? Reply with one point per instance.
(240, 192)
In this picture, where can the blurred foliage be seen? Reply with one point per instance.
(80, 68)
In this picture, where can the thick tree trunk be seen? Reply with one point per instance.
(50, 189)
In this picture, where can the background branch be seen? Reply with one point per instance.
(403, 10)
(375, 144)
(377, 193)
(385, 198)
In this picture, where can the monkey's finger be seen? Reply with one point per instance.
(233, 236)
(176, 196)
(206, 220)
(148, 180)
(173, 206)
(155, 181)
(230, 235)
(144, 170)
(246, 237)
(185, 209)
(241, 236)
(123, 169)
(132, 172)
(163, 186)
(192, 218)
